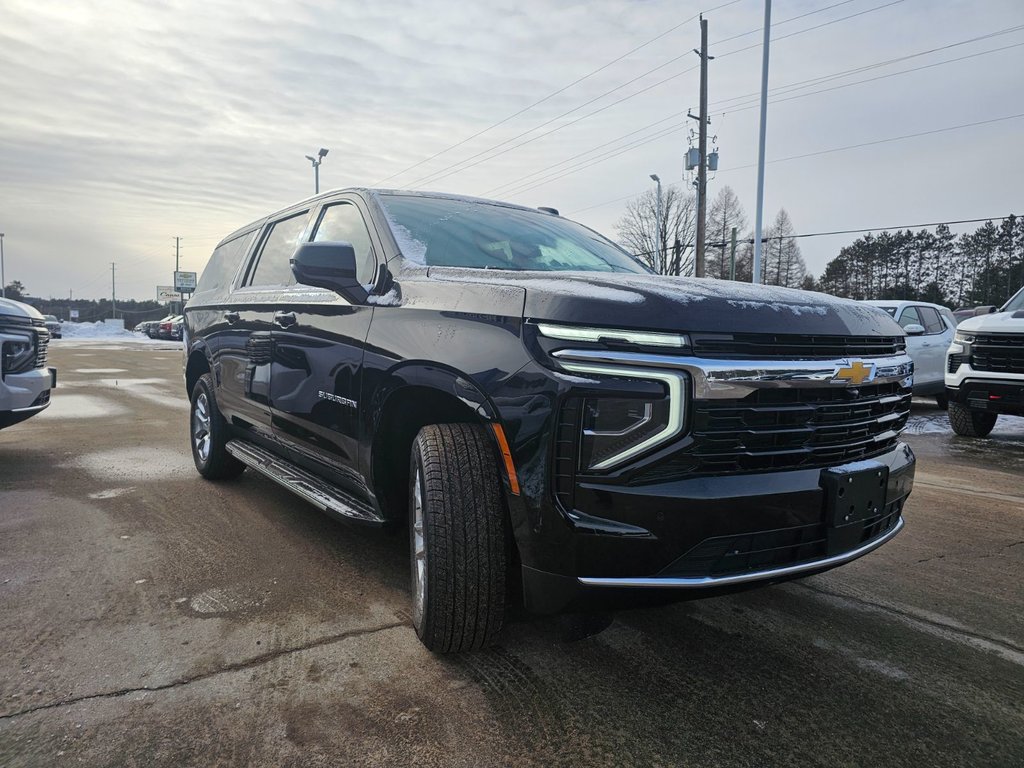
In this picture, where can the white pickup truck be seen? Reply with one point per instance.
(25, 381)
(985, 369)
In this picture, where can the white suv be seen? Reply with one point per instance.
(985, 369)
(25, 381)
(929, 329)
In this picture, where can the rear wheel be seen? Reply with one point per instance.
(971, 423)
(458, 538)
(208, 434)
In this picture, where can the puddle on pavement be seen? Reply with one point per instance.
(219, 601)
(68, 406)
(136, 464)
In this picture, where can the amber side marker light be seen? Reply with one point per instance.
(506, 455)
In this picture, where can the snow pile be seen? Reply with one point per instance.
(98, 330)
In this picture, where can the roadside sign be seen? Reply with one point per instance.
(167, 293)
(74, 314)
(185, 281)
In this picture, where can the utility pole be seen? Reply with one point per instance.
(3, 281)
(759, 215)
(659, 258)
(177, 258)
(71, 295)
(702, 170)
(732, 256)
(113, 293)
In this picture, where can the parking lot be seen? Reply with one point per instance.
(148, 617)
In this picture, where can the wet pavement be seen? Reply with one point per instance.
(150, 618)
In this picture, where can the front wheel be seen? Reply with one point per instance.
(458, 534)
(208, 434)
(971, 423)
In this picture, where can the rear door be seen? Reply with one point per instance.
(318, 353)
(934, 344)
(245, 347)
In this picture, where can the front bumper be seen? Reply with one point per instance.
(23, 395)
(1002, 396)
(705, 536)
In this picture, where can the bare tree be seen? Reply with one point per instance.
(783, 262)
(725, 213)
(637, 230)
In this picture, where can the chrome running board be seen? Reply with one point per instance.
(319, 493)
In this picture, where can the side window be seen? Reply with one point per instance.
(932, 321)
(224, 263)
(910, 317)
(278, 247)
(342, 222)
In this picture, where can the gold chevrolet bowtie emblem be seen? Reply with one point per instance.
(855, 373)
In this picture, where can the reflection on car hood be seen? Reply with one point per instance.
(17, 309)
(997, 322)
(680, 303)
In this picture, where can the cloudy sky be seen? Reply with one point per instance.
(125, 124)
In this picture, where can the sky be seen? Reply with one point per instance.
(126, 124)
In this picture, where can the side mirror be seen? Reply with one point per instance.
(913, 329)
(329, 265)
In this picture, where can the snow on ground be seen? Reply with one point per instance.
(88, 333)
(936, 422)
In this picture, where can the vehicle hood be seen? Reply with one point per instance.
(13, 308)
(657, 302)
(997, 322)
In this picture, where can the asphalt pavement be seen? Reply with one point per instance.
(151, 618)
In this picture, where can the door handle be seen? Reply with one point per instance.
(285, 319)
(231, 316)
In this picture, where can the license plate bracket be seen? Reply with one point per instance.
(853, 495)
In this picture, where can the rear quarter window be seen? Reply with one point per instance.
(223, 264)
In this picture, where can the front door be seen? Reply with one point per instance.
(318, 354)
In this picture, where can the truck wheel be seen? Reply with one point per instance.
(208, 434)
(971, 423)
(457, 536)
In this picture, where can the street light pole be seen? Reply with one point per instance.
(3, 282)
(759, 214)
(659, 256)
(316, 167)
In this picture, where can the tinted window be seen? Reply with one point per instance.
(278, 247)
(910, 317)
(455, 232)
(343, 223)
(223, 263)
(932, 321)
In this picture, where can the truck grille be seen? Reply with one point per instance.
(42, 344)
(759, 346)
(998, 353)
(779, 429)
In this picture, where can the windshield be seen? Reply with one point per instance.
(1017, 302)
(50, 318)
(464, 233)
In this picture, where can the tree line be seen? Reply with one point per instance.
(985, 266)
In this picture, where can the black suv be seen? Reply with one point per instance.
(556, 423)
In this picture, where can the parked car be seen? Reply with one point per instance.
(548, 417)
(153, 329)
(985, 369)
(929, 329)
(171, 329)
(966, 312)
(52, 325)
(144, 326)
(25, 381)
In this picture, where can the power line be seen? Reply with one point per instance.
(551, 95)
(883, 141)
(468, 162)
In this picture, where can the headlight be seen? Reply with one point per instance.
(616, 430)
(963, 337)
(19, 354)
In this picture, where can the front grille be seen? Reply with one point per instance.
(780, 429)
(567, 432)
(42, 346)
(998, 353)
(764, 346)
(764, 550)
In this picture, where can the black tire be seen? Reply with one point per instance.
(208, 436)
(463, 538)
(971, 423)
(942, 400)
